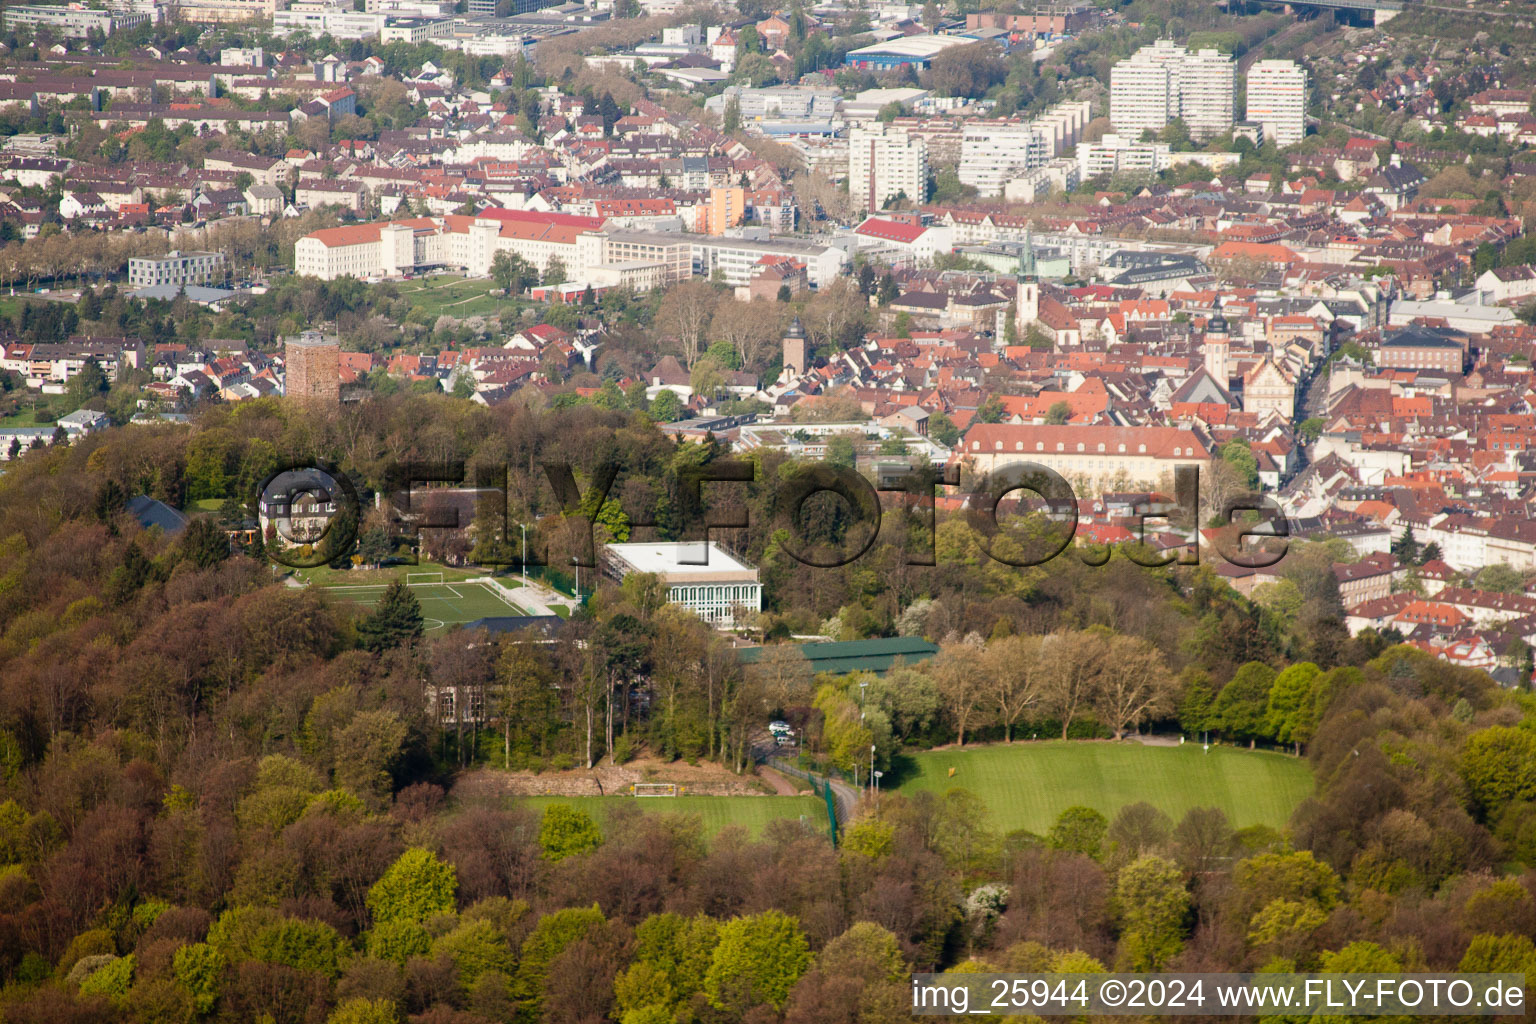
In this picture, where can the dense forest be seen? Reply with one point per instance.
(222, 798)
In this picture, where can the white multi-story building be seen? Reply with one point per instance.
(176, 268)
(336, 21)
(996, 152)
(1144, 88)
(1164, 81)
(1207, 93)
(71, 20)
(737, 259)
(885, 162)
(993, 153)
(1277, 99)
(1115, 154)
(368, 250)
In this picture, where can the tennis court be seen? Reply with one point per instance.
(442, 604)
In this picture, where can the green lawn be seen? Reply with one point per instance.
(716, 812)
(1028, 784)
(325, 576)
(456, 296)
(442, 604)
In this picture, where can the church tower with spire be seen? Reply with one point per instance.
(1218, 346)
(1027, 307)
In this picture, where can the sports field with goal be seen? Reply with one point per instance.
(443, 602)
(752, 813)
(1027, 785)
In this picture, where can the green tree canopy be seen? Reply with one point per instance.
(1153, 905)
(758, 960)
(565, 831)
(416, 886)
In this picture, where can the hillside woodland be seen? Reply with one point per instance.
(222, 798)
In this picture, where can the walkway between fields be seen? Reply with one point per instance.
(533, 597)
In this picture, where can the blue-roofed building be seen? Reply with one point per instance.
(151, 513)
(916, 51)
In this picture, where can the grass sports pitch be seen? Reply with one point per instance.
(716, 812)
(442, 604)
(1026, 785)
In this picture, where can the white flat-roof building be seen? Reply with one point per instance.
(717, 591)
(176, 268)
(1277, 99)
(1114, 154)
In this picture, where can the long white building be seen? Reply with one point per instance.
(885, 162)
(1277, 99)
(1115, 154)
(995, 152)
(589, 249)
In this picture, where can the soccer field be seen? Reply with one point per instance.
(752, 813)
(1026, 785)
(442, 604)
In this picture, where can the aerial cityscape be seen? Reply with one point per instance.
(698, 512)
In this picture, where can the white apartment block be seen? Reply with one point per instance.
(1144, 88)
(996, 152)
(1117, 154)
(1164, 81)
(367, 250)
(72, 20)
(993, 153)
(1277, 99)
(884, 162)
(1208, 93)
(737, 259)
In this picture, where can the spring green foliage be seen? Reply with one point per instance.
(112, 980)
(302, 945)
(1292, 711)
(475, 947)
(1078, 830)
(199, 968)
(758, 960)
(565, 831)
(1242, 705)
(1153, 905)
(398, 940)
(1499, 765)
(364, 1011)
(672, 956)
(414, 888)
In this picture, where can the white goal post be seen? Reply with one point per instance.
(413, 578)
(654, 789)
